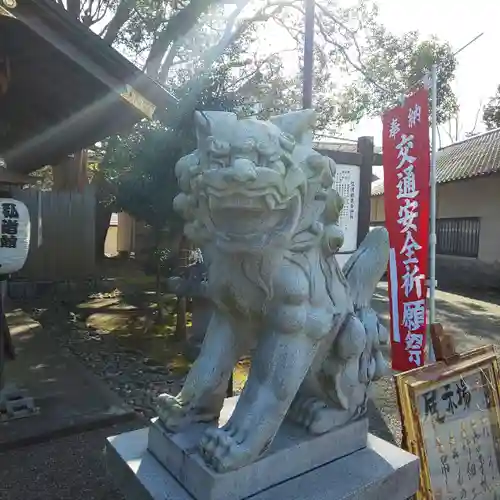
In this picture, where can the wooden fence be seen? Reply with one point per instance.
(67, 244)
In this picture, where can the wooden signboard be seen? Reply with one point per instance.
(450, 412)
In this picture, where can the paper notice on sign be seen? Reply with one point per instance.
(346, 183)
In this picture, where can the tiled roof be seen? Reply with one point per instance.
(472, 157)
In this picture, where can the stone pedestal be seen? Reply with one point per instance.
(349, 463)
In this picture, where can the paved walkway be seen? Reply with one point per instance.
(473, 322)
(69, 397)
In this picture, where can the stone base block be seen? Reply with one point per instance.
(15, 404)
(380, 470)
(293, 452)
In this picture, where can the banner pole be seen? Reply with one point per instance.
(432, 236)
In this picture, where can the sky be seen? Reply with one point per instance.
(458, 22)
(454, 21)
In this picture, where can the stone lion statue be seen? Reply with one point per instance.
(259, 201)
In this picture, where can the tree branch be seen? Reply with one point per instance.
(177, 26)
(244, 80)
(73, 7)
(176, 45)
(476, 121)
(159, 48)
(121, 16)
(358, 66)
(168, 61)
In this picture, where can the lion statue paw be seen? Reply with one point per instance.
(177, 411)
(172, 412)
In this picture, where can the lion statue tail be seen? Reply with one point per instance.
(363, 271)
(356, 358)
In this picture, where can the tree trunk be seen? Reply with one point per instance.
(177, 26)
(71, 174)
(180, 324)
(159, 311)
(103, 211)
(103, 214)
(121, 16)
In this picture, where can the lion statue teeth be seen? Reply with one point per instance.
(260, 203)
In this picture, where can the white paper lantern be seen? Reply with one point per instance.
(15, 230)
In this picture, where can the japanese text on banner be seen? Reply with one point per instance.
(406, 197)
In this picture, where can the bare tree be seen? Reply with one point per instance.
(455, 130)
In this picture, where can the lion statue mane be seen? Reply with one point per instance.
(260, 202)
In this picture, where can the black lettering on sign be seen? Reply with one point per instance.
(7, 241)
(430, 403)
(471, 470)
(431, 406)
(448, 396)
(463, 394)
(9, 210)
(9, 226)
(445, 467)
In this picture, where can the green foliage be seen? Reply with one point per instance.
(491, 112)
(390, 65)
(141, 165)
(147, 186)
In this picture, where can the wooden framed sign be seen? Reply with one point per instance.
(451, 419)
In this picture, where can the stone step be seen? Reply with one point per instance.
(15, 403)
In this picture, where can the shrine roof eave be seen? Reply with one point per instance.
(66, 89)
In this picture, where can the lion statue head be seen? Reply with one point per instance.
(254, 189)
(253, 183)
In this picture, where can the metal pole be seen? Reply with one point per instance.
(432, 236)
(307, 77)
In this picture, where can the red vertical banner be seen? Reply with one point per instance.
(406, 158)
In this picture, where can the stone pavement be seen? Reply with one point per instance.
(69, 398)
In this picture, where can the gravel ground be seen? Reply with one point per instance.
(135, 378)
(138, 380)
(70, 468)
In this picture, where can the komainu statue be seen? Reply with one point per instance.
(259, 201)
